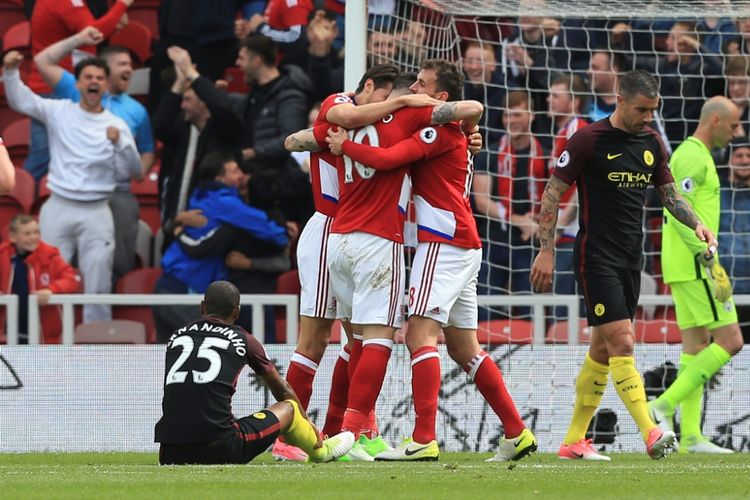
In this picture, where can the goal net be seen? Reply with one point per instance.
(544, 69)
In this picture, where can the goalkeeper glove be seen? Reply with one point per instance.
(717, 275)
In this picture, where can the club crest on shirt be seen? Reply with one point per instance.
(648, 157)
(428, 135)
(564, 159)
(44, 278)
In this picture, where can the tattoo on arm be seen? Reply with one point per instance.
(444, 113)
(677, 206)
(548, 215)
(304, 140)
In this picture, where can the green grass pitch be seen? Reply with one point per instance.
(455, 476)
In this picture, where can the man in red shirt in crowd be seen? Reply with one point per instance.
(52, 21)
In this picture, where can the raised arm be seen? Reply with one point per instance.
(349, 115)
(48, 60)
(541, 271)
(467, 111)
(683, 212)
(20, 97)
(402, 153)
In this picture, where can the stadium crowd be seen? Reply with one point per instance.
(203, 133)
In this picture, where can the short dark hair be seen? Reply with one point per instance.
(449, 78)
(20, 220)
(109, 50)
(404, 81)
(264, 189)
(637, 82)
(739, 142)
(380, 74)
(576, 87)
(221, 299)
(212, 165)
(616, 59)
(517, 98)
(737, 65)
(261, 45)
(91, 61)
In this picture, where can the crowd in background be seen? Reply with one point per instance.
(233, 200)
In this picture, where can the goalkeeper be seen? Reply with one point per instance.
(701, 289)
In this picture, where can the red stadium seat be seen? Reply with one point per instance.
(146, 12)
(136, 37)
(19, 200)
(18, 37)
(116, 331)
(9, 17)
(657, 332)
(7, 115)
(138, 281)
(16, 140)
(41, 196)
(235, 77)
(558, 332)
(505, 331)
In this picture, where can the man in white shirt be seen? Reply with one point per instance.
(89, 149)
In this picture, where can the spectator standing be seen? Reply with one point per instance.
(28, 265)
(90, 149)
(122, 202)
(276, 107)
(51, 21)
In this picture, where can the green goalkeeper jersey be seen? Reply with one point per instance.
(697, 181)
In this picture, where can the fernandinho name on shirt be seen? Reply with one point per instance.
(233, 336)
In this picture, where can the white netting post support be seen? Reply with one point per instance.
(695, 48)
(355, 62)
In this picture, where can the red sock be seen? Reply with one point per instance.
(425, 386)
(488, 379)
(354, 355)
(300, 376)
(365, 386)
(339, 394)
(370, 426)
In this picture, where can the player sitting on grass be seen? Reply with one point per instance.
(203, 362)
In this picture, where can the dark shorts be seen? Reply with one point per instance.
(252, 436)
(611, 293)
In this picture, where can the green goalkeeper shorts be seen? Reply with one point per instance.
(696, 306)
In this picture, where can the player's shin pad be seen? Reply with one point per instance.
(300, 432)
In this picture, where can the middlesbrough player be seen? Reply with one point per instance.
(613, 161)
(366, 248)
(567, 100)
(203, 362)
(443, 281)
(317, 306)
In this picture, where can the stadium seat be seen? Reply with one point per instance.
(136, 37)
(42, 195)
(147, 192)
(657, 332)
(19, 200)
(505, 331)
(7, 115)
(143, 243)
(10, 16)
(558, 332)
(18, 37)
(138, 281)
(158, 243)
(16, 140)
(116, 331)
(146, 14)
(235, 77)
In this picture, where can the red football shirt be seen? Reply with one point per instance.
(371, 201)
(442, 172)
(324, 176)
(283, 14)
(54, 20)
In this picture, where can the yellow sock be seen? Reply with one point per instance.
(300, 433)
(629, 386)
(590, 385)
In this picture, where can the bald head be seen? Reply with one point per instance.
(718, 123)
(222, 299)
(718, 105)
